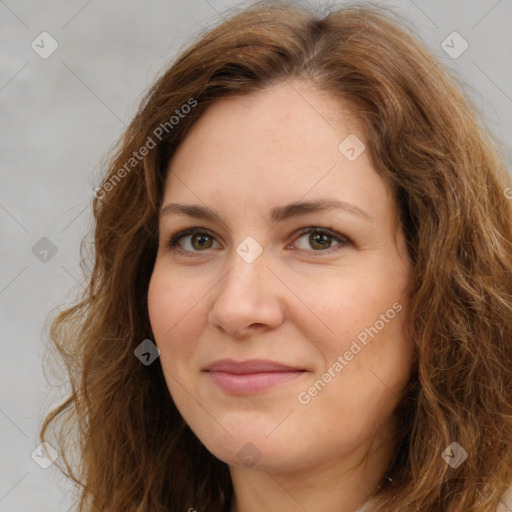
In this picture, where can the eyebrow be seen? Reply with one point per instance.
(277, 214)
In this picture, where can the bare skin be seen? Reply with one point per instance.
(303, 301)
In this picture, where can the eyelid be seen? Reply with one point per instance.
(342, 240)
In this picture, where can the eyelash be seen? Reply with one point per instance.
(174, 238)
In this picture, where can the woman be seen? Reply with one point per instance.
(344, 341)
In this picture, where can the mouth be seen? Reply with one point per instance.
(244, 383)
(251, 376)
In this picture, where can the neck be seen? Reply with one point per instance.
(342, 484)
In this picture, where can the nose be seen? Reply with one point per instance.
(247, 297)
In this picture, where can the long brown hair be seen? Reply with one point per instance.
(120, 436)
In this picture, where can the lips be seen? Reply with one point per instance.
(252, 376)
(249, 366)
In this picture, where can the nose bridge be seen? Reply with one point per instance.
(248, 266)
(246, 295)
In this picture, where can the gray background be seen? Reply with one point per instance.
(59, 117)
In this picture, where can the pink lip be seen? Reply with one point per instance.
(250, 376)
(249, 366)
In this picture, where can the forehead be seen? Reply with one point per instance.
(275, 147)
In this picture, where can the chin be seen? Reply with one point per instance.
(244, 450)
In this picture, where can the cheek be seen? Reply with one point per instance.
(177, 318)
(363, 320)
(366, 367)
(164, 314)
(351, 303)
(154, 304)
(169, 303)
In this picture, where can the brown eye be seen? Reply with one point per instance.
(203, 241)
(318, 242)
(198, 240)
(321, 239)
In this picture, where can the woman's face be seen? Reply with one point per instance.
(320, 290)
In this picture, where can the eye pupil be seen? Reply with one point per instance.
(313, 238)
(201, 237)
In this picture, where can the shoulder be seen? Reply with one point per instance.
(505, 504)
(366, 506)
